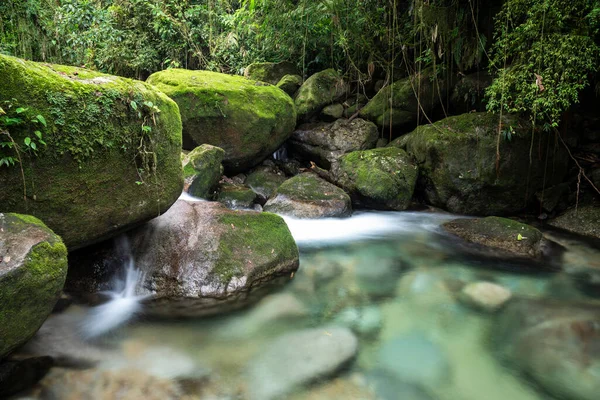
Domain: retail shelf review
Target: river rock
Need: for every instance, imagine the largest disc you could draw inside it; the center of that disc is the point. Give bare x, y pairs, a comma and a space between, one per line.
33, 267
319, 90
264, 181
290, 84
270, 72
236, 197
112, 153
18, 375
555, 342
202, 170
469, 93
404, 103
332, 112
583, 220
324, 143
247, 119
485, 296
199, 258
457, 163
507, 237
382, 178
365, 321
299, 358
308, 196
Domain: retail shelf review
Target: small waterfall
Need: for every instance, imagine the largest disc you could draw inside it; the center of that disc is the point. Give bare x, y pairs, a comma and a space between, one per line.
124, 302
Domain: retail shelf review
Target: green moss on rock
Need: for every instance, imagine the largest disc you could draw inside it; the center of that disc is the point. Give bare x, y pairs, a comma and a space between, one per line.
202, 169
457, 163
236, 196
290, 84
270, 72
83, 182
319, 90
382, 178
33, 267
246, 119
264, 182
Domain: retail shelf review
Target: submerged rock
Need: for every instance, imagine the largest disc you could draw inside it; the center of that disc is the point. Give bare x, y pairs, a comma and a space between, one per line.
246, 119
202, 170
556, 343
324, 143
308, 196
485, 296
18, 375
33, 267
299, 358
198, 259
583, 220
510, 238
236, 197
382, 178
405, 105
319, 90
457, 163
112, 153
270, 72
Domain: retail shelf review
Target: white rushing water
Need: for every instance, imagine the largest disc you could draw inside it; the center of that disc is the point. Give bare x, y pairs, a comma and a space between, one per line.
124, 302
360, 226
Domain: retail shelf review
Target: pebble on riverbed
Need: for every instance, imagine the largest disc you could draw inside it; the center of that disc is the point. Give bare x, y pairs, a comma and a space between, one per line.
485, 296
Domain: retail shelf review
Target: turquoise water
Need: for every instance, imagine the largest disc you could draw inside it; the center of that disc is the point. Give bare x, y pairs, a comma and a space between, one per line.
391, 279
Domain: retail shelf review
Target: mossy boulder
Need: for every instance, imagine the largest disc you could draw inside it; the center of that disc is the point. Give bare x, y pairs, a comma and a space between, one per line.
236, 197
270, 72
403, 93
199, 258
308, 196
319, 90
112, 153
202, 170
506, 236
324, 143
33, 267
469, 93
290, 84
457, 163
583, 220
332, 112
247, 119
382, 178
264, 181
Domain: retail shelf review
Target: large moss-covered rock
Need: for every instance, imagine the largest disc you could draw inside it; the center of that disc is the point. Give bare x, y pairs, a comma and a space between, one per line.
319, 90
199, 258
112, 153
270, 72
404, 102
247, 119
290, 84
202, 170
457, 162
555, 342
324, 143
33, 267
308, 196
583, 220
382, 178
509, 237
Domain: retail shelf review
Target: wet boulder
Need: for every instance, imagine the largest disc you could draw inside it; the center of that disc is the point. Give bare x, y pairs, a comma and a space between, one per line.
264, 181
308, 196
33, 267
247, 119
502, 236
405, 106
583, 220
235, 196
111, 158
557, 343
199, 258
484, 296
270, 72
382, 178
290, 84
459, 169
324, 143
202, 170
319, 90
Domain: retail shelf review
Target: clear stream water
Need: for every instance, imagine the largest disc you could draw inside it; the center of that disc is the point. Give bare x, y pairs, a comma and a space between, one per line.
391, 277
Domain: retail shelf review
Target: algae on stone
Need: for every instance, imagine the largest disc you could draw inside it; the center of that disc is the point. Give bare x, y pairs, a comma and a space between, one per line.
382, 178
202, 170
270, 72
247, 119
33, 267
112, 158
290, 84
236, 197
319, 90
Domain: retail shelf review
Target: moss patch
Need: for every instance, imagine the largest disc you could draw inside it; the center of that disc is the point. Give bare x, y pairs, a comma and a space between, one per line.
270, 72
202, 168
319, 90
